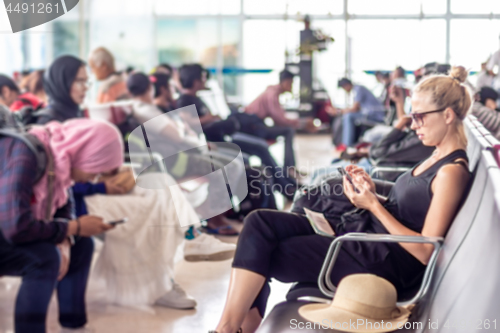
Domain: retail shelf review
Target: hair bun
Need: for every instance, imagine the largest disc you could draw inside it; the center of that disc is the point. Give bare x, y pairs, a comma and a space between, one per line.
459, 73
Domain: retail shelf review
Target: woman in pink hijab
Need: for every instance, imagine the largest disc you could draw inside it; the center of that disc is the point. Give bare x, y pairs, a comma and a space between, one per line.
39, 238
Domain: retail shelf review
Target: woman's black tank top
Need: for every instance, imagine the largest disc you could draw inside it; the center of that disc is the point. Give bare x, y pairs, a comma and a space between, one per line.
411, 196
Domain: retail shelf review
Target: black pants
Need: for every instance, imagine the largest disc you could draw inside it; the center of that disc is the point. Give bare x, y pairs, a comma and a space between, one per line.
284, 246
262, 151
215, 131
253, 125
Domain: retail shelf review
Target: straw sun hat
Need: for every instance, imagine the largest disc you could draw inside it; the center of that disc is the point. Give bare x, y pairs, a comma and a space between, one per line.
362, 303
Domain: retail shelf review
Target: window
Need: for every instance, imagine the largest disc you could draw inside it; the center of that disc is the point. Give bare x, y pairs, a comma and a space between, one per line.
262, 7
315, 7
385, 44
396, 7
264, 45
475, 7
473, 41
384, 7
13, 60
181, 41
329, 65
65, 38
197, 7
293, 7
131, 43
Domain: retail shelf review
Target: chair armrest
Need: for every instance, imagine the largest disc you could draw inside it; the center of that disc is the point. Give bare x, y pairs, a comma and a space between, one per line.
366, 122
393, 169
325, 284
383, 187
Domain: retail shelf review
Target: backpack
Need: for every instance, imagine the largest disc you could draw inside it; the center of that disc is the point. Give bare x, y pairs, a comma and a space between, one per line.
10, 127
29, 115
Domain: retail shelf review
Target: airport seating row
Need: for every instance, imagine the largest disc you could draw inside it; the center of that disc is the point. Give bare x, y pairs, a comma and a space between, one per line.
461, 295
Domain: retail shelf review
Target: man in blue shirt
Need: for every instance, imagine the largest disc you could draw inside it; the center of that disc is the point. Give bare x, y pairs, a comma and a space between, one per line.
366, 107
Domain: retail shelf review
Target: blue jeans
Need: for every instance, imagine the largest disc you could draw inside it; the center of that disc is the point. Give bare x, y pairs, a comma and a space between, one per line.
38, 265
349, 125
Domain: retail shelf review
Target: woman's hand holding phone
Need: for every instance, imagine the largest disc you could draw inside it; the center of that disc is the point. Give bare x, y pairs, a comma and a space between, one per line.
89, 225
125, 219
360, 177
361, 196
347, 177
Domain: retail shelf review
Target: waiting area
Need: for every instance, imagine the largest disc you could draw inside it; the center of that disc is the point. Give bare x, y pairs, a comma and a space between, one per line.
250, 166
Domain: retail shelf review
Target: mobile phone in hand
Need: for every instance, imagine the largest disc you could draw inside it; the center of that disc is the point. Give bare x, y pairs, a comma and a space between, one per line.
118, 221
349, 178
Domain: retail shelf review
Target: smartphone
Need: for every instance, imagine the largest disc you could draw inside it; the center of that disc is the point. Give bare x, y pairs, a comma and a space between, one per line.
349, 178
125, 219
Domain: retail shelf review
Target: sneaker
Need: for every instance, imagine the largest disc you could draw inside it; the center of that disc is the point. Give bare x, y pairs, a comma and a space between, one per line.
208, 248
177, 299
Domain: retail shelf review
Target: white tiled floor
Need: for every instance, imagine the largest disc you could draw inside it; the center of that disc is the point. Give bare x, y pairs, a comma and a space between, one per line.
207, 282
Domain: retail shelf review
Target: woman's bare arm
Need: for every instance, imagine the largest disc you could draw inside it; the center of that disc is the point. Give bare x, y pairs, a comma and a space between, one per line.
448, 187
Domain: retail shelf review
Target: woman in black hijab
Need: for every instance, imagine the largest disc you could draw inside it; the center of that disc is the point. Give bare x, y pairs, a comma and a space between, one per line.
65, 83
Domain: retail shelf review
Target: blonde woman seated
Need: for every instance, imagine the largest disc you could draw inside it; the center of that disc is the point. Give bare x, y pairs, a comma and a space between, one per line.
423, 202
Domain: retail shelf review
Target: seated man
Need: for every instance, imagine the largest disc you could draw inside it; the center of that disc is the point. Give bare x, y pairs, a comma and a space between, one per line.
266, 105
485, 109
366, 107
193, 78
113, 87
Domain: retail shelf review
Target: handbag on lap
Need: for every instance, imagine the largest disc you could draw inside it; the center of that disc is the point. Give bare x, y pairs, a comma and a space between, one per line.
327, 198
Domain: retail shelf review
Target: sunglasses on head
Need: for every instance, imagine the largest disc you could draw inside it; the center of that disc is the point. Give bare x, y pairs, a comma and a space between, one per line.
418, 117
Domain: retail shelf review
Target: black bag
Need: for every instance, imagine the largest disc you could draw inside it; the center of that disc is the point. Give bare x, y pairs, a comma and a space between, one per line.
30, 116
327, 198
260, 195
26, 115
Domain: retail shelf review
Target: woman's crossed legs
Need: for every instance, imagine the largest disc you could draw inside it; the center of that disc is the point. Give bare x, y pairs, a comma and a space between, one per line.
277, 245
